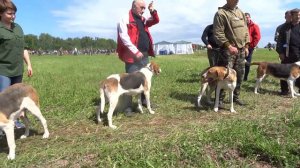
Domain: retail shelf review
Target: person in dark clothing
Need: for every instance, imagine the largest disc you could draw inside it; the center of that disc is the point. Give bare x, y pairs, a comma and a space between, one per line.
289, 44
212, 47
287, 16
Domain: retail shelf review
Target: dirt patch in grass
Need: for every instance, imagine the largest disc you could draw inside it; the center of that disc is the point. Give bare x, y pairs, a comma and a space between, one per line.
58, 163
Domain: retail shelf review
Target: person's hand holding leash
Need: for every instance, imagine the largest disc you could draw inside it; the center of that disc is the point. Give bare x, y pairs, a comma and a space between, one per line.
246, 52
209, 46
233, 50
281, 57
139, 56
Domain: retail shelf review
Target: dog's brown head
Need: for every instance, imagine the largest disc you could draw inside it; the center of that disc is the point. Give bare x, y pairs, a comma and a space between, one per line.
295, 70
154, 68
215, 73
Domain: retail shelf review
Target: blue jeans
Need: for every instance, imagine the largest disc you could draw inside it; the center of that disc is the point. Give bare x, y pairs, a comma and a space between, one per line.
132, 67
5, 81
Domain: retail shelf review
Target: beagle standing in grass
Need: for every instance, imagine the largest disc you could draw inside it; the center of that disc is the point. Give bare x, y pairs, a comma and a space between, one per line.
127, 83
14, 102
288, 72
218, 78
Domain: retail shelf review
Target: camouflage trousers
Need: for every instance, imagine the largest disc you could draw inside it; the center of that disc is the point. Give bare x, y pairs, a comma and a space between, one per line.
236, 62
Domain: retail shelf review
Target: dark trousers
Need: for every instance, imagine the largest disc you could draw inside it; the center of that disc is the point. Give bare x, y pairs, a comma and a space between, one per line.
247, 67
283, 84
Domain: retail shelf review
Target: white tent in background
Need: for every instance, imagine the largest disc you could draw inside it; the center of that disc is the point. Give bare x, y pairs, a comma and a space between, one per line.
164, 48
183, 47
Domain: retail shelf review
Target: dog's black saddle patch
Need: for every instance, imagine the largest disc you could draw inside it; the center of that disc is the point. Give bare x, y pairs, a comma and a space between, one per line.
11, 102
132, 80
280, 70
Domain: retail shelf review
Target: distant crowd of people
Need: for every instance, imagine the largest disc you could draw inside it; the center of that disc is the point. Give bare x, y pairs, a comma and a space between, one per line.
75, 51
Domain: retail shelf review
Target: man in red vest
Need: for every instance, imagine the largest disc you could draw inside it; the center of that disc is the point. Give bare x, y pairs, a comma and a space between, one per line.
254, 34
135, 42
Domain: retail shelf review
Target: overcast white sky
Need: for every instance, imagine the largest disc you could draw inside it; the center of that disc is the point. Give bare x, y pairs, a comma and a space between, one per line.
179, 19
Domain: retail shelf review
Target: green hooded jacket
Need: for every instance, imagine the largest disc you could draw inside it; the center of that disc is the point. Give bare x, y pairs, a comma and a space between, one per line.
11, 50
230, 27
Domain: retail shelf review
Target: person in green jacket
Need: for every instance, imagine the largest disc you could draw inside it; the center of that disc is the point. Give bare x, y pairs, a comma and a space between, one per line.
231, 34
12, 48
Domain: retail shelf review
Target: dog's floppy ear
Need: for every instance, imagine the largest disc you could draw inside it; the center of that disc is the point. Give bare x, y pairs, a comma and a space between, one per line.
155, 68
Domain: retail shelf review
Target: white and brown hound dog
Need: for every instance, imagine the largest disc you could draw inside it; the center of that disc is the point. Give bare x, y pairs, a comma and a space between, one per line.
217, 78
288, 72
127, 83
14, 102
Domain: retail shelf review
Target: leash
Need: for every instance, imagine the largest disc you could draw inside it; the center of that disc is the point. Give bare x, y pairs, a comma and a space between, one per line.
148, 67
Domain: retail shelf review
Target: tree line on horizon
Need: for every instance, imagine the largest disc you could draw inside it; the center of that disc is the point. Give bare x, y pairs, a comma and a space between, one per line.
47, 42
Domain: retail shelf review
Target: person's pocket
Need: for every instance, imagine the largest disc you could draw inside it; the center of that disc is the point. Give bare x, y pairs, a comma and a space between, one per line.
237, 22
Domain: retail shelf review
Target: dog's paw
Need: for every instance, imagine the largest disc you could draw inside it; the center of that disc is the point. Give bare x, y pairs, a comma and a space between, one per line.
11, 156
23, 137
46, 135
216, 109
113, 126
152, 112
233, 111
140, 110
199, 106
197, 103
297, 94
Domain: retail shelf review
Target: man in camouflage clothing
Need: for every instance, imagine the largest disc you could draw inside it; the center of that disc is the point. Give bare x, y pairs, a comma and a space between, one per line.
231, 33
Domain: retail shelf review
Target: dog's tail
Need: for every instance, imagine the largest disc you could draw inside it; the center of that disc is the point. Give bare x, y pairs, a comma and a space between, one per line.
101, 103
102, 96
203, 71
255, 63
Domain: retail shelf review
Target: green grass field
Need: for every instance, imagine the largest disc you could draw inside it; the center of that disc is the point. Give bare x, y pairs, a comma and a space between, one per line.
264, 134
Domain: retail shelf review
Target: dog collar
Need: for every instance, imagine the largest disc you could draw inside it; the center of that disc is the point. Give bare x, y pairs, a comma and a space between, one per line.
227, 72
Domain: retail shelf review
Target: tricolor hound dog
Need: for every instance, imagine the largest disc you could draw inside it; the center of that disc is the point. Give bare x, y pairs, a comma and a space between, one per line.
288, 72
127, 83
14, 102
218, 78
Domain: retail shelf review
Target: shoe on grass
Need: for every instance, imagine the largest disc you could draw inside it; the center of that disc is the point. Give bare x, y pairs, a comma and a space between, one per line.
19, 125
239, 102
128, 112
